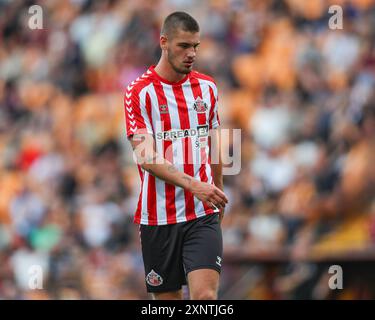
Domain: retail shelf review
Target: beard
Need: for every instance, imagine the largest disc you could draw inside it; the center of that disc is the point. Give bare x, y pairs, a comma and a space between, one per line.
179, 69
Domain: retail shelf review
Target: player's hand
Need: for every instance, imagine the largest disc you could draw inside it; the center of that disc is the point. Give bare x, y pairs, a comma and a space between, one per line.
209, 194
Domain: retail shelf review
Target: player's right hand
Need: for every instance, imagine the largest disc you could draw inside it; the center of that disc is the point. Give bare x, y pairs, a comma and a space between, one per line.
209, 193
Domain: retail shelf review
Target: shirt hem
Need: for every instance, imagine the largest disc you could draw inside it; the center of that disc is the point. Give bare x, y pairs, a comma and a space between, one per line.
165, 222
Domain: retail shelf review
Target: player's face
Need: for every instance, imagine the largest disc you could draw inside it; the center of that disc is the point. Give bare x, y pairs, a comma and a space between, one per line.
182, 49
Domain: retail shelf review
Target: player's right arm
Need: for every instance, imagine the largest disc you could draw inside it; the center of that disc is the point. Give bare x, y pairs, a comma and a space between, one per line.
144, 148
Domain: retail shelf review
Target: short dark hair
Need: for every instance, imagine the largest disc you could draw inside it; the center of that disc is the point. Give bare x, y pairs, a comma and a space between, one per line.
179, 20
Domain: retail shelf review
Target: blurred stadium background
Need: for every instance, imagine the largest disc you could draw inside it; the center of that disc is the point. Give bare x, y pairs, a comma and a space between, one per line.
302, 94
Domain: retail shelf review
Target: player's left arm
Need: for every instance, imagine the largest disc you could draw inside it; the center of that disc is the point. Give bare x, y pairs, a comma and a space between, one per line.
216, 163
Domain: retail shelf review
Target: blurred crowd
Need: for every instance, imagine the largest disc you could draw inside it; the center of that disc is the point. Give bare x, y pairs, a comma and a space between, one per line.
301, 93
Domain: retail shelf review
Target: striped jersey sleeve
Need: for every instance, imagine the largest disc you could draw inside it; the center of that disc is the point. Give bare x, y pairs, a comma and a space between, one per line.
136, 117
214, 120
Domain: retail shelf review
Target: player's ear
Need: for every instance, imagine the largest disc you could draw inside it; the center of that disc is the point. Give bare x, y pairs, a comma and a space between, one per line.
163, 42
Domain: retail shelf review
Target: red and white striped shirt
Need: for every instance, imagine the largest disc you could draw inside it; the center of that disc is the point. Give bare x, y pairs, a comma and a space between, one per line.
179, 115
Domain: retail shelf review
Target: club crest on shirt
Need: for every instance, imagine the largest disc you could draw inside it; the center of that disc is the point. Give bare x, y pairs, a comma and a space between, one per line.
200, 106
154, 279
163, 109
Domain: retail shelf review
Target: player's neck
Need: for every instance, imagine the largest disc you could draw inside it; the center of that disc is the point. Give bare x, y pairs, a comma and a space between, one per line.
165, 71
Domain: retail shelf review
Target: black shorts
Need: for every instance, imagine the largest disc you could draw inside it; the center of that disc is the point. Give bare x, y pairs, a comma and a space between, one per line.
170, 252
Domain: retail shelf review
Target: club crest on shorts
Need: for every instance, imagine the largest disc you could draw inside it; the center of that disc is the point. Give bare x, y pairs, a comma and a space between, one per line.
154, 279
200, 106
